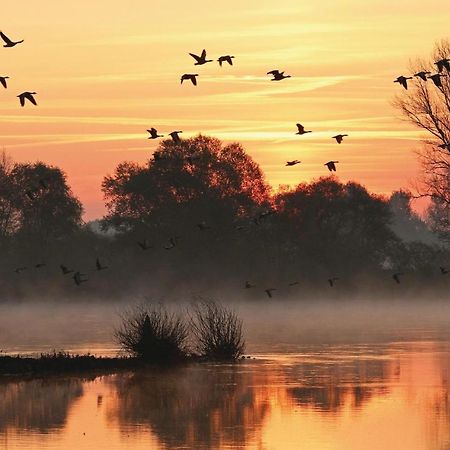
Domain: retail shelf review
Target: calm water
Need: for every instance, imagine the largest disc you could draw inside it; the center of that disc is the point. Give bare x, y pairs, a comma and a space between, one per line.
354, 396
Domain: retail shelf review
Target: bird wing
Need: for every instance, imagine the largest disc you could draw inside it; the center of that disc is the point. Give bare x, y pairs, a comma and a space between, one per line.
273, 72
196, 57
194, 80
22, 100
230, 61
31, 98
203, 56
220, 61
300, 127
5, 38
3, 82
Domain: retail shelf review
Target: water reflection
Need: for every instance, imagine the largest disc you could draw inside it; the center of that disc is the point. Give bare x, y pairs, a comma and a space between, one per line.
381, 396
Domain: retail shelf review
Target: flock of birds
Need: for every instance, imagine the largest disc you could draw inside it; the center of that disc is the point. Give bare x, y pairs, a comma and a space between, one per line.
277, 75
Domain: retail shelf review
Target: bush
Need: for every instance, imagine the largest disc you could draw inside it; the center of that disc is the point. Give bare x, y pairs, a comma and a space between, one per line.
153, 334
217, 332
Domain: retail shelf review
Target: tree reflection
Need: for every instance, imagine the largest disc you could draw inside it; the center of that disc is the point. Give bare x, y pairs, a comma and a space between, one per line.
39, 405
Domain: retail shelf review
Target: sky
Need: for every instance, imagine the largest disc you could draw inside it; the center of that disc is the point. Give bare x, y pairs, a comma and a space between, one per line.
105, 71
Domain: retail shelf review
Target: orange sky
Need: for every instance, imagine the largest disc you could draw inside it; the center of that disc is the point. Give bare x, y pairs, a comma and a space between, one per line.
106, 70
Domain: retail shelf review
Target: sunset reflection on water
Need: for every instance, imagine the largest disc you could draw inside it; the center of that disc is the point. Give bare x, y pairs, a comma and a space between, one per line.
380, 396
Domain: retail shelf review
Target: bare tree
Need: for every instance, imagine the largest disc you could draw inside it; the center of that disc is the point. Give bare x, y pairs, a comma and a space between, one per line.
428, 107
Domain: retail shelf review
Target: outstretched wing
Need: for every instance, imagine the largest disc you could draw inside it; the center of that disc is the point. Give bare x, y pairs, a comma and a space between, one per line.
31, 99
300, 127
203, 56
230, 61
22, 100
273, 72
194, 80
5, 38
196, 57
3, 82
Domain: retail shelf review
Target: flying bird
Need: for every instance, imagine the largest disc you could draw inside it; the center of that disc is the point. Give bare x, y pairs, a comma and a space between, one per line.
422, 75
39, 265
248, 285
99, 266
175, 137
154, 134
78, 278
20, 269
269, 291
200, 60
333, 280
3, 82
396, 277
444, 271
403, 81
436, 78
65, 270
172, 243
277, 75
293, 163
443, 63
27, 96
8, 41
227, 58
301, 129
144, 245
339, 137
191, 77
331, 165
294, 283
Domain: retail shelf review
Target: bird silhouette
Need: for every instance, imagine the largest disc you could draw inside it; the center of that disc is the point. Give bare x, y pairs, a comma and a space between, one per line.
301, 129
436, 78
294, 283
200, 60
333, 280
144, 245
293, 163
277, 75
78, 278
39, 265
443, 64
226, 58
65, 270
154, 134
339, 137
27, 96
3, 82
269, 291
444, 271
172, 243
248, 285
175, 137
396, 277
422, 75
191, 77
331, 165
403, 81
8, 41
99, 266
20, 269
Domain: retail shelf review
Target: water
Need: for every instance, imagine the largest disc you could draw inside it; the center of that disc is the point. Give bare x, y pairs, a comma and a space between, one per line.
368, 396
319, 379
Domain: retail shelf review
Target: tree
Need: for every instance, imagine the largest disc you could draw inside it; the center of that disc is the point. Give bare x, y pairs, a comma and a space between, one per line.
9, 199
198, 179
427, 106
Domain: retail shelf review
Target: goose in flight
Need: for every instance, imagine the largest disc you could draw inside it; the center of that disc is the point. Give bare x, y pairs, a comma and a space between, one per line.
175, 137
269, 291
200, 60
144, 245
331, 165
436, 78
293, 163
333, 280
3, 82
172, 243
65, 270
20, 269
301, 129
294, 283
277, 75
403, 81
443, 63
154, 134
78, 278
39, 265
339, 137
444, 271
227, 58
248, 285
422, 75
99, 266
27, 96
191, 77
8, 41
396, 277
